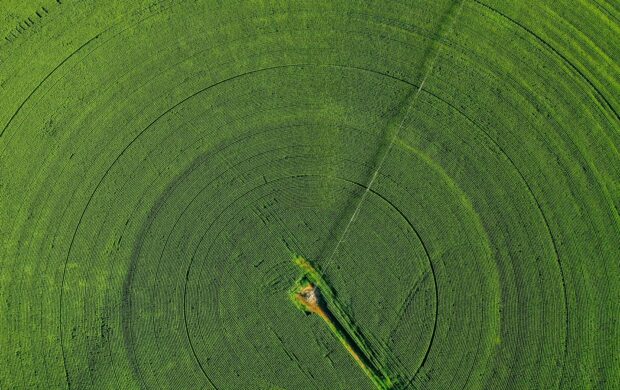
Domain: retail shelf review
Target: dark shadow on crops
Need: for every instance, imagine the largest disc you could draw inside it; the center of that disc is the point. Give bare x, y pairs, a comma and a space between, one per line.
404, 380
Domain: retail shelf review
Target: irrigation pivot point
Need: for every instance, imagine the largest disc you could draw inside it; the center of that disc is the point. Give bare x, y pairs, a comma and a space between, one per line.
308, 296
312, 294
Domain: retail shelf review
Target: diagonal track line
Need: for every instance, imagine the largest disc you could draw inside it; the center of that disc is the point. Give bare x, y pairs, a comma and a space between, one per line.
393, 139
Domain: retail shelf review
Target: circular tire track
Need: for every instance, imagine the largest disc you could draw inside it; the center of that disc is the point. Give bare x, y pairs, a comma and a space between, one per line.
157, 179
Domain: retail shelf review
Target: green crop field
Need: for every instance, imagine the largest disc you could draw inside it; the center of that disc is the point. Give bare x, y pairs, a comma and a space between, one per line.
309, 194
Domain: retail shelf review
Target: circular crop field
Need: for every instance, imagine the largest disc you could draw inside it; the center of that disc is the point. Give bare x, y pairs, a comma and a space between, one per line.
339, 194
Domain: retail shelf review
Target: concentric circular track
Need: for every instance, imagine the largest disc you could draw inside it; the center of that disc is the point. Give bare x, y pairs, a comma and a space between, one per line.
451, 168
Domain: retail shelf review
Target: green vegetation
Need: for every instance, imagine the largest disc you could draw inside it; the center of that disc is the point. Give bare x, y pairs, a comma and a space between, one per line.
312, 294
449, 169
